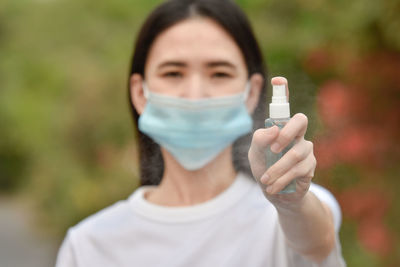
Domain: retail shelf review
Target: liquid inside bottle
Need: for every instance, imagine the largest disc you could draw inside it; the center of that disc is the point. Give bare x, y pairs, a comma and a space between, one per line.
272, 157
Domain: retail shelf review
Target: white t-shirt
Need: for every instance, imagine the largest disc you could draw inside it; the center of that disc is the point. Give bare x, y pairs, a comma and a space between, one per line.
239, 227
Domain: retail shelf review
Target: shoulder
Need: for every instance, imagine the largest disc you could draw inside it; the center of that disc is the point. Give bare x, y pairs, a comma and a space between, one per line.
112, 215
104, 224
86, 241
96, 231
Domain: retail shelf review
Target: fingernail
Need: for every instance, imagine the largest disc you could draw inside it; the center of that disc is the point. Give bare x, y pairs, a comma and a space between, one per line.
275, 147
264, 179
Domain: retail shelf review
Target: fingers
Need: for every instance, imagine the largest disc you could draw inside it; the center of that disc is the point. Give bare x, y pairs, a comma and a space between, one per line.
299, 162
295, 128
304, 170
261, 139
299, 152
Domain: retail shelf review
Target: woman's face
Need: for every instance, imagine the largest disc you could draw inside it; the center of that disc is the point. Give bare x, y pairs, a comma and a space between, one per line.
195, 58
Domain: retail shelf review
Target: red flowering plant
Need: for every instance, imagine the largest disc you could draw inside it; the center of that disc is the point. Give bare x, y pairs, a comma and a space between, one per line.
358, 103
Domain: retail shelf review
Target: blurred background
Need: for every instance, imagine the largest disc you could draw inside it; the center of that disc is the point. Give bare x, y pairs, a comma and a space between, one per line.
67, 145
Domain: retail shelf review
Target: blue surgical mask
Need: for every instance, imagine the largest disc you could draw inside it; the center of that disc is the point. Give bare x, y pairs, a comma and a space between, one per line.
195, 131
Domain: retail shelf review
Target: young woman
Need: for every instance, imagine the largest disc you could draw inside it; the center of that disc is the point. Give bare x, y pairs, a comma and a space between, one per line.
197, 91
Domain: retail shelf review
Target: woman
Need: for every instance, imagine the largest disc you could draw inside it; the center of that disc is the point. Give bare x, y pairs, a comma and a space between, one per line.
197, 77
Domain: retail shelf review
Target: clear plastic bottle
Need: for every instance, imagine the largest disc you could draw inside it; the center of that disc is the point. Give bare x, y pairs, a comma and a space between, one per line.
279, 115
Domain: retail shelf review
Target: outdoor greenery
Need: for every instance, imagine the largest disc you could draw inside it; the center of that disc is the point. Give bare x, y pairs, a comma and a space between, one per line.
67, 143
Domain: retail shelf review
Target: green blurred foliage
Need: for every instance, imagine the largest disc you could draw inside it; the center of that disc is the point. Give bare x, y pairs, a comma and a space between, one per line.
66, 137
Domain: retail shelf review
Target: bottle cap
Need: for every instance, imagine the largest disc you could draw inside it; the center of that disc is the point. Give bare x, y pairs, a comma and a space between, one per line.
279, 107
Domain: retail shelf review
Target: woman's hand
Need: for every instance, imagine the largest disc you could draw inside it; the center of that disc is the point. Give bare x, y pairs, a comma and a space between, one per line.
298, 163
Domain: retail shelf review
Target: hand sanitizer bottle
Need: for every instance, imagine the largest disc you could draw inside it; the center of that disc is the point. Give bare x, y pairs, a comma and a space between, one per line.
279, 115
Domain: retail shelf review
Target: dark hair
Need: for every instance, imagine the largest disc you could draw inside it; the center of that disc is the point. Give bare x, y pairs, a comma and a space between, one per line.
235, 22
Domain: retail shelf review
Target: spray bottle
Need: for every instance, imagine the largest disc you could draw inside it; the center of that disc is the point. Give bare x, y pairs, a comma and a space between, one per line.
279, 115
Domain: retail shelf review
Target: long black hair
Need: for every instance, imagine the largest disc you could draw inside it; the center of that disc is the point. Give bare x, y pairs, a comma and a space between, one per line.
235, 22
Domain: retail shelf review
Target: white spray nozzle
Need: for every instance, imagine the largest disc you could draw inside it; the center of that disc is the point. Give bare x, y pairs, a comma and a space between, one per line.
279, 107
279, 94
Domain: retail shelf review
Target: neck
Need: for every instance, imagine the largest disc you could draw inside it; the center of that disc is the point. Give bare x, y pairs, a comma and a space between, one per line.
180, 187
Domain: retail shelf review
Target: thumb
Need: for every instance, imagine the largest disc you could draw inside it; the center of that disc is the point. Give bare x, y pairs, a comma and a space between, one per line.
264, 137
261, 139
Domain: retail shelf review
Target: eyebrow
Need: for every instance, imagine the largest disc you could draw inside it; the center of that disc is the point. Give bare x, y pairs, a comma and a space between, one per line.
212, 64
172, 64
221, 63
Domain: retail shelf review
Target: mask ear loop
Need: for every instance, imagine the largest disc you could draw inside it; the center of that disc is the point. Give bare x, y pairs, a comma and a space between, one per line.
146, 92
247, 91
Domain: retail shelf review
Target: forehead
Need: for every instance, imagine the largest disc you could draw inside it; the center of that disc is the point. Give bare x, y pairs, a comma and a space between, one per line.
195, 40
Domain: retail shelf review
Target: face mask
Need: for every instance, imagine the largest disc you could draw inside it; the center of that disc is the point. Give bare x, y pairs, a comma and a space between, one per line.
195, 131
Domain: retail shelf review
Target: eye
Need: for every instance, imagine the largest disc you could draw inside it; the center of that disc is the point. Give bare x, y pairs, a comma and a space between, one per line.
221, 75
173, 74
